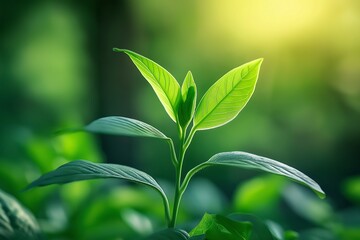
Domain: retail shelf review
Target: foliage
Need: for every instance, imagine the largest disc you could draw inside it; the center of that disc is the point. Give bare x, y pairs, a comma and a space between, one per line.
220, 104
16, 222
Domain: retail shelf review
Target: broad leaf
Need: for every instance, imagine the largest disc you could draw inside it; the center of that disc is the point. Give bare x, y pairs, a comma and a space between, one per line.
82, 170
16, 222
219, 227
164, 84
227, 97
124, 126
169, 234
260, 229
188, 100
251, 161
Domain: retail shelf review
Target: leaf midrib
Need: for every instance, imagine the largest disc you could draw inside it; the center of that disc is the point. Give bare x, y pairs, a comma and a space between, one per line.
224, 98
156, 82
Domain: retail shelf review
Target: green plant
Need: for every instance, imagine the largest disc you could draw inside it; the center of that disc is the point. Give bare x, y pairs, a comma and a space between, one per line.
221, 103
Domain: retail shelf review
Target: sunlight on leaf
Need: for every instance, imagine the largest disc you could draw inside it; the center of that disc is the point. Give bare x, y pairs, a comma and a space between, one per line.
188, 100
227, 97
164, 84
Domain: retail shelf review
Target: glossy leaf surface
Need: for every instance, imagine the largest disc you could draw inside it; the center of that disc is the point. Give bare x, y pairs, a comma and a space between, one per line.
164, 84
227, 97
82, 170
251, 161
124, 126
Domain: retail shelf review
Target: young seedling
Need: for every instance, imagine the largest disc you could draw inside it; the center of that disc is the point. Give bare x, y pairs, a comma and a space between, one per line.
221, 103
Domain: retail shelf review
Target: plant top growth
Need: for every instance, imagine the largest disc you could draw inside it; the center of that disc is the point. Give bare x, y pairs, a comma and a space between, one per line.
222, 102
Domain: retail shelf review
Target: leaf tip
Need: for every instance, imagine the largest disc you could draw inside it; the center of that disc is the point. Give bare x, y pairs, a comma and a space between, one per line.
117, 50
321, 194
122, 50
259, 61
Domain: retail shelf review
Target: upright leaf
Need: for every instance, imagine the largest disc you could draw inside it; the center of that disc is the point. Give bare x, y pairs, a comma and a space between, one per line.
164, 84
251, 161
188, 100
82, 170
227, 97
124, 126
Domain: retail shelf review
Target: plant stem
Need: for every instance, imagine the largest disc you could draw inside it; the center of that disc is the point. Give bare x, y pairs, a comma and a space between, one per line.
178, 191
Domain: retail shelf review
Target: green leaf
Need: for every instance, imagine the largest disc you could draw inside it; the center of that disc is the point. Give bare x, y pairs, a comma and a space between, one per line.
82, 170
164, 84
169, 234
188, 100
124, 126
251, 161
227, 97
16, 222
308, 206
279, 233
219, 227
246, 197
260, 230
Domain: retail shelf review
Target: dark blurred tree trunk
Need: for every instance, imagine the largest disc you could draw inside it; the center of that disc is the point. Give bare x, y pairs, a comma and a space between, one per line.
112, 81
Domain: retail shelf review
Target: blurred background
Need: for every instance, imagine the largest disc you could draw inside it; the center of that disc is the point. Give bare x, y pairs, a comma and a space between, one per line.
57, 70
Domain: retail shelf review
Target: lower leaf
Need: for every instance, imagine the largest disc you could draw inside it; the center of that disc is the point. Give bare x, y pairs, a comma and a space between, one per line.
83, 170
252, 161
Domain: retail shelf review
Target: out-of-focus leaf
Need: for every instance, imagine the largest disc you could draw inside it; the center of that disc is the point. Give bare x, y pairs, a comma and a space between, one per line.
196, 199
219, 227
137, 221
279, 233
227, 97
16, 222
291, 235
319, 234
169, 234
164, 84
276, 230
307, 205
251, 161
351, 189
247, 195
349, 221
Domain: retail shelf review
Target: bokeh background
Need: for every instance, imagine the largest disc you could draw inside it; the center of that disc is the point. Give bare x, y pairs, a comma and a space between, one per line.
57, 70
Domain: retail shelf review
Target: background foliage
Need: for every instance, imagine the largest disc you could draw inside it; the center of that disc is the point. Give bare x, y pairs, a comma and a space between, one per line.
57, 70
